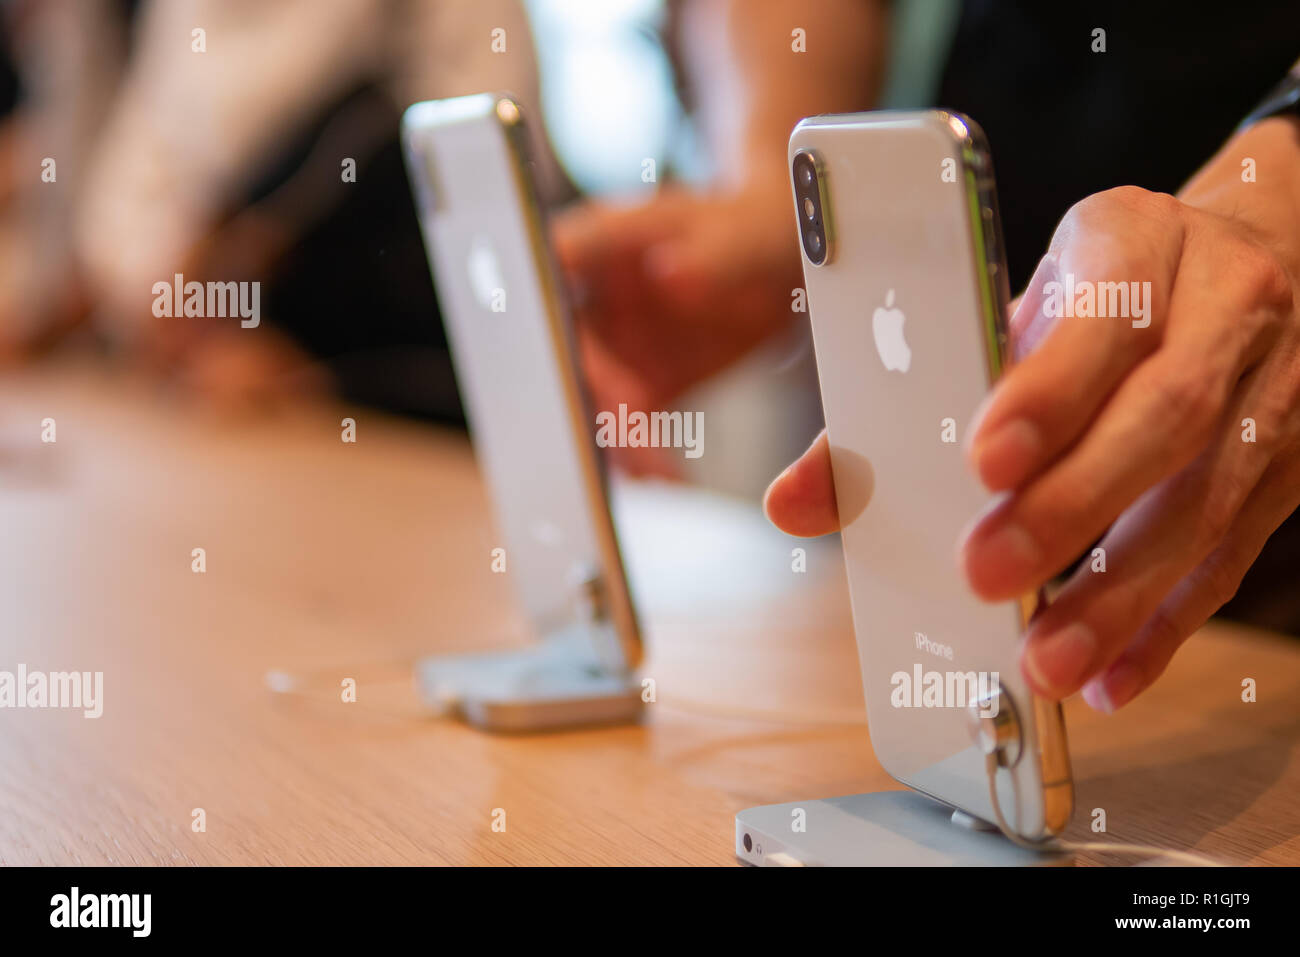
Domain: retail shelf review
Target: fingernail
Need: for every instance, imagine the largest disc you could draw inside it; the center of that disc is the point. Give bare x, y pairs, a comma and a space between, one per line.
1057, 664
1030, 323
977, 420
1004, 458
1094, 692
1005, 557
1114, 689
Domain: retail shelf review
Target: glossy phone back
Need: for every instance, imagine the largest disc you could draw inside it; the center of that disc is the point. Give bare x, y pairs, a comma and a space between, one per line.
516, 365
906, 319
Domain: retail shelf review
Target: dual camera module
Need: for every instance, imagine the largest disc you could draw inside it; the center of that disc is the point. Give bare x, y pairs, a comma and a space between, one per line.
808, 199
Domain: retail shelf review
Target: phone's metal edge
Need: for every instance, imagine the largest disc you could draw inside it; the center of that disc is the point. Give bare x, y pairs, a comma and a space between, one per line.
1049, 720
505, 110
617, 594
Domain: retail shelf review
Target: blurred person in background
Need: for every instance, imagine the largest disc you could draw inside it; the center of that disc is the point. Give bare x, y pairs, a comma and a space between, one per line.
1090, 437
221, 157
225, 164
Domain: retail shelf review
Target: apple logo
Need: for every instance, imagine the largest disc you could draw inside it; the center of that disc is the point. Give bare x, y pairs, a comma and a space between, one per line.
485, 274
887, 327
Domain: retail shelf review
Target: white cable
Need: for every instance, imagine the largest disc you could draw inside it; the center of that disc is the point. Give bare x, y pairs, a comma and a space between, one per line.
1071, 847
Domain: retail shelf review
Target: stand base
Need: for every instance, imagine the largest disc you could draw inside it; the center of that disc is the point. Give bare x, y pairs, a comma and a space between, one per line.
880, 829
560, 682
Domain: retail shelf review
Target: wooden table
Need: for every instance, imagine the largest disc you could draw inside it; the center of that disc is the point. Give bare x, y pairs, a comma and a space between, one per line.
329, 560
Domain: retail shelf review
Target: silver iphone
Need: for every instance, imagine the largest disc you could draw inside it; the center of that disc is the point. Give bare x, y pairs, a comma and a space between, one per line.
513, 351
907, 295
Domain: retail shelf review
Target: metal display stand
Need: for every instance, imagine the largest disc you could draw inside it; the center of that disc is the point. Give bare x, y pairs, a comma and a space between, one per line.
883, 828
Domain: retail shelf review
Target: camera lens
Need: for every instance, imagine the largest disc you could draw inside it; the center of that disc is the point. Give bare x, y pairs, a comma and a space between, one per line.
808, 207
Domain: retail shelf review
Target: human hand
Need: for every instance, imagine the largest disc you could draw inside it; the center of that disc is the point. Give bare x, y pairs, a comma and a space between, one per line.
670, 291
1174, 437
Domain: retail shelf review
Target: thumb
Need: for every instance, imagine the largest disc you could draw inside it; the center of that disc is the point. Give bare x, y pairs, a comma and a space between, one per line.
801, 500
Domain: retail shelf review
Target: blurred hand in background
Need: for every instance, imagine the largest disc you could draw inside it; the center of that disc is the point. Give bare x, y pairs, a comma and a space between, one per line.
671, 291
675, 288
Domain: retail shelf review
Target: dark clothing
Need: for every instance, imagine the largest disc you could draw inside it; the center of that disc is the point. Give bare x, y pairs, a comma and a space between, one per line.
1064, 122
355, 290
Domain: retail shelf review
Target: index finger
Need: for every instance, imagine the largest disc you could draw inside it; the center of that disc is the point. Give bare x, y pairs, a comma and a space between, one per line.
1106, 245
